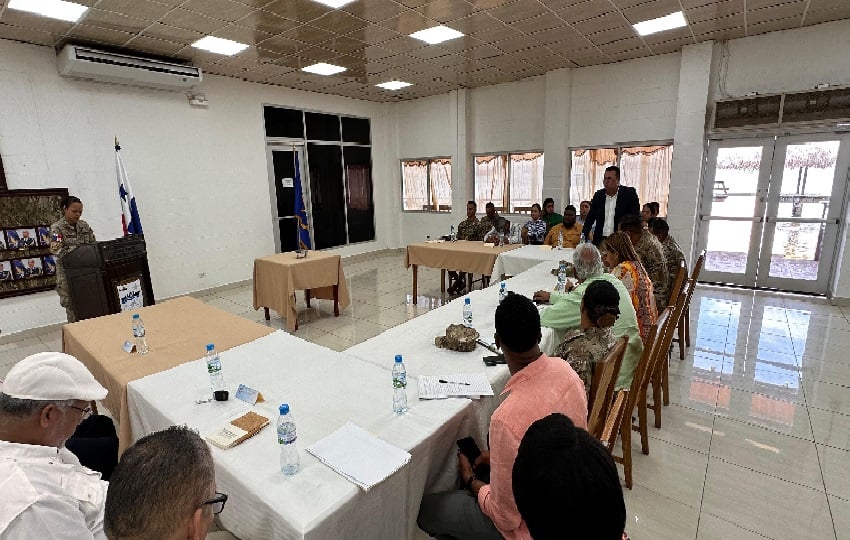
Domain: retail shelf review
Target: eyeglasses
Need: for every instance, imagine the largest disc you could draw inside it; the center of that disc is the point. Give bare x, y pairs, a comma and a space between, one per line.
86, 412
216, 502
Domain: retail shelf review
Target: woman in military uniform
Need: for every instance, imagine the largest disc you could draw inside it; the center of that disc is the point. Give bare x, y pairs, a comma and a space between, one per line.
65, 235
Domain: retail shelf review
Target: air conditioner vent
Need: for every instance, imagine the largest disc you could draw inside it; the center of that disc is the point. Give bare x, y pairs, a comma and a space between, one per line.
817, 106
759, 111
87, 63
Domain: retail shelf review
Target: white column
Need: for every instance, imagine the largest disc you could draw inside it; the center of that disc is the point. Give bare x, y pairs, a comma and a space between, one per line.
555, 136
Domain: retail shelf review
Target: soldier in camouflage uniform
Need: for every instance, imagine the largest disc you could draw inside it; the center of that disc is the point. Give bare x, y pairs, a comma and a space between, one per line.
651, 255
468, 229
582, 347
672, 252
65, 235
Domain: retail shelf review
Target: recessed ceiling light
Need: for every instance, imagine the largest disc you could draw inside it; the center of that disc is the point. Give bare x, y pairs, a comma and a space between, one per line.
436, 34
394, 85
55, 9
667, 22
324, 69
336, 4
219, 45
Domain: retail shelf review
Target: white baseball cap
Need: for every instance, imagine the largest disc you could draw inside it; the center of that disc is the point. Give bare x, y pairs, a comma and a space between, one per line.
52, 376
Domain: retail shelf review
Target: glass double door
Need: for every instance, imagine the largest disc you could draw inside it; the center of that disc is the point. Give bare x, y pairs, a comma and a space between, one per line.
771, 211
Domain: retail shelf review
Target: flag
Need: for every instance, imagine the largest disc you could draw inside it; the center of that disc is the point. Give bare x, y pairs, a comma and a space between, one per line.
129, 212
300, 210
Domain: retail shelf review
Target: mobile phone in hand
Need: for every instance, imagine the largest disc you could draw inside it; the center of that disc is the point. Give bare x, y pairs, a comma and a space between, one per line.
469, 448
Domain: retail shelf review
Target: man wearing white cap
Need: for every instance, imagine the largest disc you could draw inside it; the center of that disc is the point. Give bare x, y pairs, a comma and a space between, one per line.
44, 491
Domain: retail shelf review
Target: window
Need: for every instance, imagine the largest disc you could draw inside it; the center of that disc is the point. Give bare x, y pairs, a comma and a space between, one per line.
426, 184
645, 168
512, 181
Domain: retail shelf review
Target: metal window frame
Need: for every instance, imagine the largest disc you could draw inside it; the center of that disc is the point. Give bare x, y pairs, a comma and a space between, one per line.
427, 183
508, 155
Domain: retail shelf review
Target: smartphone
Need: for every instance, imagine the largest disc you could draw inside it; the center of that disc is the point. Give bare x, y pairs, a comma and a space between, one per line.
469, 448
494, 360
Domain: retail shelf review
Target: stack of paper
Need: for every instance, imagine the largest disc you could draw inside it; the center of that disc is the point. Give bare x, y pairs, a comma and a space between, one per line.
359, 456
468, 385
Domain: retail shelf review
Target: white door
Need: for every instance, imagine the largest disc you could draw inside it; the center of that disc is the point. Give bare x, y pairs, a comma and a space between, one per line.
771, 211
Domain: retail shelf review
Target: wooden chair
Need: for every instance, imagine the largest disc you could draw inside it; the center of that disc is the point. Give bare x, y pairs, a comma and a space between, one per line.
684, 322
659, 365
619, 419
663, 325
602, 386
679, 284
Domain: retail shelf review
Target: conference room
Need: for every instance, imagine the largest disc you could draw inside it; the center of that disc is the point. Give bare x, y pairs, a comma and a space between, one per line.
300, 200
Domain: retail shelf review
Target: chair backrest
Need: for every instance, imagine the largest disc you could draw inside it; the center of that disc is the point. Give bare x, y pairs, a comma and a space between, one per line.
698, 266
679, 284
614, 420
665, 326
602, 386
692, 282
643, 364
665, 337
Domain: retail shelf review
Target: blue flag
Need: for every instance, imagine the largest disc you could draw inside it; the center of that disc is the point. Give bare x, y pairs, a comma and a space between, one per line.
300, 210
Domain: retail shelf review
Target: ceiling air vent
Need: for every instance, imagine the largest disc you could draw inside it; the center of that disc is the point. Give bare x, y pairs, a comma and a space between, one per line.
87, 63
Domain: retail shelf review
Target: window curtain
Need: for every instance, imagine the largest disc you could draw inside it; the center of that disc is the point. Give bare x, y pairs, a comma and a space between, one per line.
647, 169
491, 176
588, 167
441, 184
526, 179
414, 175
359, 186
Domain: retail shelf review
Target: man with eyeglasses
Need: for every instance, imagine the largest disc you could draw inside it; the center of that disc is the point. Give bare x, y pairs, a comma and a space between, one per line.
45, 492
164, 488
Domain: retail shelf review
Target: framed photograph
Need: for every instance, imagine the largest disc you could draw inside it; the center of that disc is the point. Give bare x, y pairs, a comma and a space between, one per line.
18, 269
33, 268
43, 233
49, 265
2, 241
12, 239
5, 271
27, 238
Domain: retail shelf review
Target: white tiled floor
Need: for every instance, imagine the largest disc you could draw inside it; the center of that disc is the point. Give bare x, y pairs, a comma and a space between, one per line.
755, 443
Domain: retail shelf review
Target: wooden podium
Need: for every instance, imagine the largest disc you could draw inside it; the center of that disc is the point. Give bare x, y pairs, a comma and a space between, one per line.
109, 277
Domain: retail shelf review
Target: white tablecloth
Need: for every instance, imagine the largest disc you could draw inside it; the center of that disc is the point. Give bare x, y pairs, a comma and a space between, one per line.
325, 389
414, 340
514, 262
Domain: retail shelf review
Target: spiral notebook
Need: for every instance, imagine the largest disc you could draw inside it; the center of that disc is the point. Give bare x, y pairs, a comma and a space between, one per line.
359, 456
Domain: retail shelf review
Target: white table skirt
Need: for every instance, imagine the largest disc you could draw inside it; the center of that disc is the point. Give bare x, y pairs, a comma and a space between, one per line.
414, 340
516, 261
325, 390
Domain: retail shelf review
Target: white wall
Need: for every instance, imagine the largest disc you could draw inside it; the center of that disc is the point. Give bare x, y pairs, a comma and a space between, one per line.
200, 176
509, 116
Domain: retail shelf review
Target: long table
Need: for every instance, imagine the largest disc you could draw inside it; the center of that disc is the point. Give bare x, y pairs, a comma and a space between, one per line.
462, 255
325, 389
414, 340
511, 263
277, 277
177, 331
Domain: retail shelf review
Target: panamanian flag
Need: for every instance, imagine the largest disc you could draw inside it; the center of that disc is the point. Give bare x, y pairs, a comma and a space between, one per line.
130, 220
300, 210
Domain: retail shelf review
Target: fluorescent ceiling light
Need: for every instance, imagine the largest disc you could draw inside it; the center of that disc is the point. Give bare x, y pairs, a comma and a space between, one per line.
436, 34
55, 9
667, 22
324, 69
336, 4
394, 85
219, 45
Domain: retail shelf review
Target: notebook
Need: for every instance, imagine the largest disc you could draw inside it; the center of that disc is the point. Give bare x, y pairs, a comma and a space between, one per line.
468, 385
238, 430
359, 456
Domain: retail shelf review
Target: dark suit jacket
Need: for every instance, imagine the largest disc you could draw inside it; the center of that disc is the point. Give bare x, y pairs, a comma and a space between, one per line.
627, 203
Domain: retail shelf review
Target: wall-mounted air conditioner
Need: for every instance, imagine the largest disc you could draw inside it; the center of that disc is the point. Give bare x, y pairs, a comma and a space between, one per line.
87, 63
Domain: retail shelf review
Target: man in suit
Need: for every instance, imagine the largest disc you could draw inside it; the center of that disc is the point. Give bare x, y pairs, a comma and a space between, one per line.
609, 205
5, 273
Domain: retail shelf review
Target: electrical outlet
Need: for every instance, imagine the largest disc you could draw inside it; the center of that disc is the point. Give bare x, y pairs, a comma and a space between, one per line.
202, 274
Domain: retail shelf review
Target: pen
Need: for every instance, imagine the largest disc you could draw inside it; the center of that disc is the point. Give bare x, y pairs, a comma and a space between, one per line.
443, 381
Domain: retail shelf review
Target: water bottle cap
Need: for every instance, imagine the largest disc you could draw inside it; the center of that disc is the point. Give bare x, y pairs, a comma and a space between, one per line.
284, 408
503, 284
135, 315
466, 301
398, 359
210, 347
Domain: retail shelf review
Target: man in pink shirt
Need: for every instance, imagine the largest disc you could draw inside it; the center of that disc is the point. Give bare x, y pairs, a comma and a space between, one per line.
539, 386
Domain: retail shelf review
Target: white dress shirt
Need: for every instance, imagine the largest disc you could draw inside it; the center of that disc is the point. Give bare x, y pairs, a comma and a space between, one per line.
610, 207
45, 493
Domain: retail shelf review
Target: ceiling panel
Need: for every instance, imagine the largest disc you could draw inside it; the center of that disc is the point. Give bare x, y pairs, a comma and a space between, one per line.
505, 39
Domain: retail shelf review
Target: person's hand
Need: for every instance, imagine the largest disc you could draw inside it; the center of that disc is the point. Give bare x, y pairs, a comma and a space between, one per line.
483, 459
464, 467
541, 297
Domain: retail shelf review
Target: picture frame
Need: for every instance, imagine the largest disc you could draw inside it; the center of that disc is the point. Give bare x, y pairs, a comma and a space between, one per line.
49, 265
5, 271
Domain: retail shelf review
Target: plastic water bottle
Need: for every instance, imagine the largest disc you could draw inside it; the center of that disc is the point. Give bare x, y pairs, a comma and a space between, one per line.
399, 386
139, 334
286, 437
560, 239
582, 240
214, 369
467, 313
503, 292
452, 234
562, 277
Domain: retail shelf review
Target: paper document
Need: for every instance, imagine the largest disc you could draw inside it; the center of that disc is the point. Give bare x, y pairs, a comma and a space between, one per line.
454, 385
359, 456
